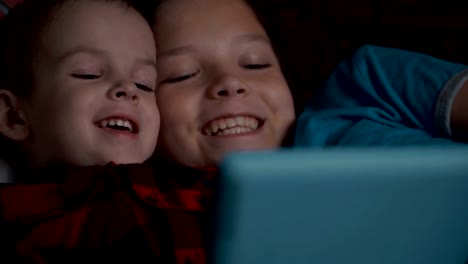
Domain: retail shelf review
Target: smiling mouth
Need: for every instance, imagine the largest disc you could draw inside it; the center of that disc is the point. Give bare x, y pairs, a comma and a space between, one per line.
232, 126
118, 124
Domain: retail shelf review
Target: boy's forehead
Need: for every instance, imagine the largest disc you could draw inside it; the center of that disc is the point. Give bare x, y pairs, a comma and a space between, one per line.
205, 15
87, 16
216, 8
214, 23
94, 26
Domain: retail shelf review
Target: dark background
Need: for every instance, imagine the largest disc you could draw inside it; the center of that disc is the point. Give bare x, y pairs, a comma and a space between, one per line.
312, 36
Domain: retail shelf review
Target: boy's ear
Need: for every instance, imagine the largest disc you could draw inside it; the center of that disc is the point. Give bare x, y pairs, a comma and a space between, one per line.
13, 124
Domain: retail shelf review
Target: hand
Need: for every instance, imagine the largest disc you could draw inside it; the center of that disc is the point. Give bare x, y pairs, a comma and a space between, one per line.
459, 115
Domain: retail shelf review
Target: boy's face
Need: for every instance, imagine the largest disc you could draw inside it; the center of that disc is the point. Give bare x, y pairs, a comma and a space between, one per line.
94, 99
220, 86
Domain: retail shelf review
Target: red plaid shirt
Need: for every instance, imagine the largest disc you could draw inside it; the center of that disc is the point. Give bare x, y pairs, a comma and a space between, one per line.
124, 213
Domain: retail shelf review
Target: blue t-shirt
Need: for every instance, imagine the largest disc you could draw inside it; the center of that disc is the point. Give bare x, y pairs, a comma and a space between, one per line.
383, 96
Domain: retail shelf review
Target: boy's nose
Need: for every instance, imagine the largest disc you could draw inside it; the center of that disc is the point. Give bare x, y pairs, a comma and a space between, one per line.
227, 85
124, 91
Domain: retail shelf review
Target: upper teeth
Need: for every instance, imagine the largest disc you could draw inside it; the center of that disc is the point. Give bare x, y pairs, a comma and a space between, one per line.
117, 122
231, 125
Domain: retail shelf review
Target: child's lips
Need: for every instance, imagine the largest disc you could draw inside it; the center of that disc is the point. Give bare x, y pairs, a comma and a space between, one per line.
124, 134
232, 126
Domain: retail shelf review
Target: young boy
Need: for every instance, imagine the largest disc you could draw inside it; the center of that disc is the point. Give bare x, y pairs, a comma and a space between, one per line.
78, 79
220, 89
77, 91
220, 84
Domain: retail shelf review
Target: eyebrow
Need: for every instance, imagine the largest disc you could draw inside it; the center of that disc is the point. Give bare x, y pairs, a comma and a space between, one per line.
147, 62
100, 53
253, 37
78, 50
177, 51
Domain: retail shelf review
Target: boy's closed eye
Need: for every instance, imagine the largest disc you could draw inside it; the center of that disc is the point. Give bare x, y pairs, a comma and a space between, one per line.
144, 87
256, 66
180, 78
94, 76
86, 76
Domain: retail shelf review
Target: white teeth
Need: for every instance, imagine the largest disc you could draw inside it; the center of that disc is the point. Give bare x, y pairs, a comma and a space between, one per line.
117, 122
231, 122
214, 127
251, 122
240, 121
222, 125
129, 125
231, 126
236, 130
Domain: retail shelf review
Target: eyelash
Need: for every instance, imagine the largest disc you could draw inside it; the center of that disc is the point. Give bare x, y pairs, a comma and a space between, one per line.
180, 78
143, 87
93, 77
256, 66
188, 76
86, 76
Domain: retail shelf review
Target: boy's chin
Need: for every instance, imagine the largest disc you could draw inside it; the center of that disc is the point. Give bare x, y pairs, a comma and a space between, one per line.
117, 160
